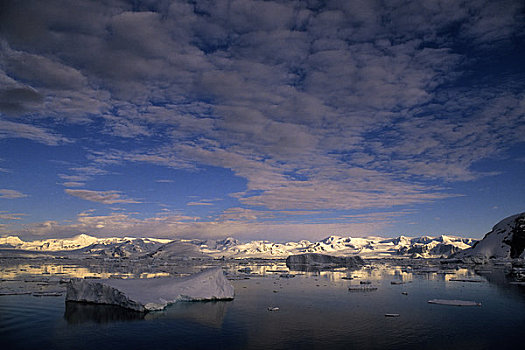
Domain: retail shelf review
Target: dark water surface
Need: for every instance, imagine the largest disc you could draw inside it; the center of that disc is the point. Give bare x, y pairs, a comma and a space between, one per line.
316, 311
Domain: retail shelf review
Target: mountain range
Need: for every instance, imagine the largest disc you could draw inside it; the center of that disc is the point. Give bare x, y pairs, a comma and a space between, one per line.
368, 247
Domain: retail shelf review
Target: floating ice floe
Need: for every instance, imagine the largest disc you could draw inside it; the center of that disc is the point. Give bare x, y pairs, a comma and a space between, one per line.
273, 308
154, 293
362, 288
48, 294
315, 261
392, 315
473, 280
454, 302
517, 283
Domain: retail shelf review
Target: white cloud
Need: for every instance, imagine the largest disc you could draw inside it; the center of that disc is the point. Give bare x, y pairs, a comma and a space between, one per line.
10, 129
171, 225
104, 197
11, 216
340, 106
11, 194
73, 184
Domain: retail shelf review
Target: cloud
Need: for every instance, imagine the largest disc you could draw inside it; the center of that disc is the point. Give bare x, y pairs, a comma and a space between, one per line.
11, 216
104, 197
73, 184
10, 129
331, 106
200, 203
171, 225
11, 194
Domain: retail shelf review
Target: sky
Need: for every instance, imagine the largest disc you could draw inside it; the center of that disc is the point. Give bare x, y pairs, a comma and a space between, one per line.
277, 120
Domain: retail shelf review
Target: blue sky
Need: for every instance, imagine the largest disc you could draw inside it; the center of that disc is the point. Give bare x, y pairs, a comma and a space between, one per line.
279, 120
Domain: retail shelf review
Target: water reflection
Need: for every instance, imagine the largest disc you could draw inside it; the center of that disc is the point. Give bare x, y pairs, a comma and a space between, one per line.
209, 313
79, 313
93, 269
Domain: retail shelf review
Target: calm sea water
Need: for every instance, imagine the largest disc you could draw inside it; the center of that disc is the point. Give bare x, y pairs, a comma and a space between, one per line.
316, 311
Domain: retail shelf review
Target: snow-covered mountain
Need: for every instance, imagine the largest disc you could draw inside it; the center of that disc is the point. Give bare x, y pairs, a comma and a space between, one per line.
87, 244
505, 241
368, 247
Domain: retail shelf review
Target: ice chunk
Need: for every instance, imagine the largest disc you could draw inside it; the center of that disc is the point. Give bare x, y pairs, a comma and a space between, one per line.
454, 302
362, 288
153, 293
306, 262
466, 280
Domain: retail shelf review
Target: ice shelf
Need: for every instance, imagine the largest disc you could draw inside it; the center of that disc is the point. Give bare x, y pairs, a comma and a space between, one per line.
153, 293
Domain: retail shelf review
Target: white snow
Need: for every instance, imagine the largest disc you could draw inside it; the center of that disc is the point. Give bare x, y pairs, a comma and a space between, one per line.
454, 302
496, 243
366, 247
154, 293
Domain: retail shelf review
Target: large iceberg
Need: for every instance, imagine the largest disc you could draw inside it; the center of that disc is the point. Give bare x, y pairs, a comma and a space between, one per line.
306, 262
151, 294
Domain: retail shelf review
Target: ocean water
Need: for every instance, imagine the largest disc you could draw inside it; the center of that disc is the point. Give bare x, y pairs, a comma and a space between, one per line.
316, 311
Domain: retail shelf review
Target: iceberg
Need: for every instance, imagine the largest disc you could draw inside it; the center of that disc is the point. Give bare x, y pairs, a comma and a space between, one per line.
454, 302
151, 294
314, 261
362, 288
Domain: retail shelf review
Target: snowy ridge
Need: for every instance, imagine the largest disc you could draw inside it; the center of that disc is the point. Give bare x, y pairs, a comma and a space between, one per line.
506, 240
368, 247
92, 244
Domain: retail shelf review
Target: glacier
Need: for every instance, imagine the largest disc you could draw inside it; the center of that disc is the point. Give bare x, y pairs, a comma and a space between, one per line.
151, 294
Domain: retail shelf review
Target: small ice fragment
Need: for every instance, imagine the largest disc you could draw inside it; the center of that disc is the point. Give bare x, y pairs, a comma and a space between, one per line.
273, 308
454, 302
466, 280
361, 288
392, 315
48, 294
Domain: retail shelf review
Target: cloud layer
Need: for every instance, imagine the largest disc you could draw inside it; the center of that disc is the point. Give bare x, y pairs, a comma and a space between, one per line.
319, 105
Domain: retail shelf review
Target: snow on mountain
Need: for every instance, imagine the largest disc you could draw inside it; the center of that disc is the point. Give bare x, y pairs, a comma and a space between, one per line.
123, 247
57, 244
179, 249
505, 241
110, 247
367, 247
